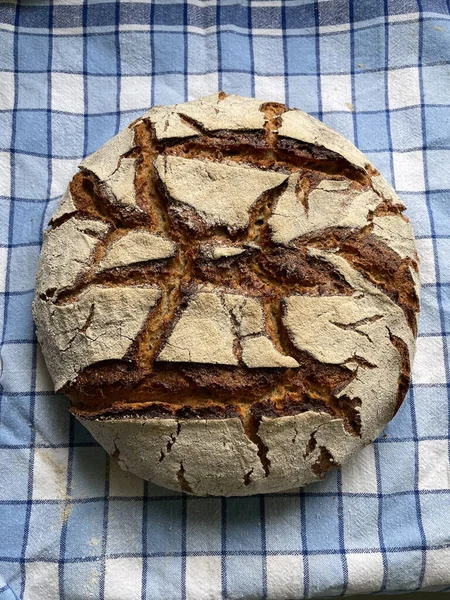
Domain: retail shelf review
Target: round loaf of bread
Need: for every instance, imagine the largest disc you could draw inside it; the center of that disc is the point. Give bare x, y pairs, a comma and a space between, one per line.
228, 293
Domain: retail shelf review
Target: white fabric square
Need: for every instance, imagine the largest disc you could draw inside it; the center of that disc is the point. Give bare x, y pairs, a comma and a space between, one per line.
365, 572
7, 91
427, 264
270, 87
403, 87
408, 171
336, 92
68, 92
434, 470
203, 577
62, 172
123, 483
44, 382
50, 473
358, 473
123, 578
3, 261
437, 568
5, 172
202, 85
135, 93
284, 577
41, 581
428, 364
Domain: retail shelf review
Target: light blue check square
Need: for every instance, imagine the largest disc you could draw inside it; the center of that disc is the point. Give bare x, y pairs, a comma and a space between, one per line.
268, 55
430, 317
7, 53
124, 536
32, 52
399, 521
434, 511
322, 526
28, 222
335, 53
88, 472
135, 52
22, 268
444, 298
301, 55
30, 177
5, 209
101, 54
90, 572
18, 373
403, 570
406, 129
19, 322
397, 466
15, 425
100, 128
383, 162
235, 52
12, 518
164, 526
436, 40
169, 53
67, 53
325, 575
237, 83
51, 419
5, 130
438, 174
244, 524
369, 47
436, 135
33, 90
436, 94
44, 537
14, 467
442, 263
440, 212
403, 44
400, 428
202, 53
302, 93
67, 135
244, 577
362, 513
369, 90
417, 212
432, 411
32, 132
282, 523
204, 524
169, 89
372, 132
101, 94
163, 578
341, 122
84, 529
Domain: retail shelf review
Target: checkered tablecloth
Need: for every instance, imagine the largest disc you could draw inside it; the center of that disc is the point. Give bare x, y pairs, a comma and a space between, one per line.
72, 73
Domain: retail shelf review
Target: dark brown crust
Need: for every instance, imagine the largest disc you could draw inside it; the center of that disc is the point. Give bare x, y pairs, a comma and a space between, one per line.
139, 386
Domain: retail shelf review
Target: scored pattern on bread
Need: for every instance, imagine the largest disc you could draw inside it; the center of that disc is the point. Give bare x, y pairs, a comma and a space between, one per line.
236, 270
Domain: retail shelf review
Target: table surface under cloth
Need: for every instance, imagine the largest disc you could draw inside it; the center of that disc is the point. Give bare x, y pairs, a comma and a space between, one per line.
72, 74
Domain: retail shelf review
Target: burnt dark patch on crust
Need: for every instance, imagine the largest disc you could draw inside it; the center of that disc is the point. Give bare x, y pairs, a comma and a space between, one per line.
324, 463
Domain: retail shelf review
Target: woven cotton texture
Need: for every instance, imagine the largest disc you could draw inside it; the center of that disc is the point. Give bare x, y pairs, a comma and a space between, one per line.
72, 525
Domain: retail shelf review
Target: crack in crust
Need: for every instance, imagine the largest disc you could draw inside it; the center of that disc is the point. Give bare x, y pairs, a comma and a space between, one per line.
137, 385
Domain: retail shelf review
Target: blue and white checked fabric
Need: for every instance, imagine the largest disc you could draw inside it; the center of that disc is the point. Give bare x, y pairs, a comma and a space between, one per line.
72, 73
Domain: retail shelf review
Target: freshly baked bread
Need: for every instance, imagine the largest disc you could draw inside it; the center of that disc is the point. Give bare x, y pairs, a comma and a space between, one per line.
228, 295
